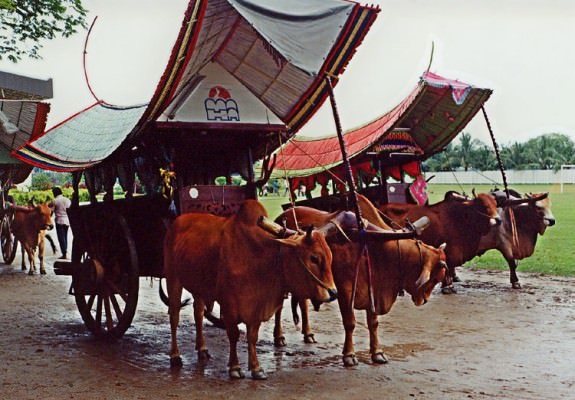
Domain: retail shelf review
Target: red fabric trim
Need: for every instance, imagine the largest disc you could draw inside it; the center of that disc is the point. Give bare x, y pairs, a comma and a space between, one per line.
336, 50
189, 53
40, 121
51, 156
412, 168
173, 58
44, 166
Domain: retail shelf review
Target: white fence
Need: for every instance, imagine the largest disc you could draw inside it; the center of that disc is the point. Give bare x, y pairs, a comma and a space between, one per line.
513, 177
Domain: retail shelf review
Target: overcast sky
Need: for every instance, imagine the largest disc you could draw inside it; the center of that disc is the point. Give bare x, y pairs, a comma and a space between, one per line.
522, 49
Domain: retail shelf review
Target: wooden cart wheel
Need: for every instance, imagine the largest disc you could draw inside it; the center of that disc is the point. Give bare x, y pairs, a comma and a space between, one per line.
106, 276
8, 242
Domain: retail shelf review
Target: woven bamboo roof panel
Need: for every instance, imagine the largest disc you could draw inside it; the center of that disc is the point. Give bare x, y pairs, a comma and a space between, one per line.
433, 114
280, 51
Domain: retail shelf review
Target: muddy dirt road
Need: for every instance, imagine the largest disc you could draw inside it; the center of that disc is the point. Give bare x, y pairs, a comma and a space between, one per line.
488, 341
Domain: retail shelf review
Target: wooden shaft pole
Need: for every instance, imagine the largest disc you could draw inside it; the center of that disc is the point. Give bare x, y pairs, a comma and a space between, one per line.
353, 199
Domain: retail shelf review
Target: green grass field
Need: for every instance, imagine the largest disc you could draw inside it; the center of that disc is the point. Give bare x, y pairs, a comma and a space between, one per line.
555, 251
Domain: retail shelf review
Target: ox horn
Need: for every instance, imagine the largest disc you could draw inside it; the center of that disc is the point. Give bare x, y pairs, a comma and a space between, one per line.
412, 230
308, 238
528, 199
455, 196
536, 198
419, 225
423, 277
275, 229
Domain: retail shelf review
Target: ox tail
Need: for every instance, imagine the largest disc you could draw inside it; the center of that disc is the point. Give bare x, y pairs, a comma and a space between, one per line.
52, 244
209, 315
294, 305
166, 300
217, 322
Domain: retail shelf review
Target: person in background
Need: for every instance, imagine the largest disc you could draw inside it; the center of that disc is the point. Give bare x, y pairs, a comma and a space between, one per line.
60, 205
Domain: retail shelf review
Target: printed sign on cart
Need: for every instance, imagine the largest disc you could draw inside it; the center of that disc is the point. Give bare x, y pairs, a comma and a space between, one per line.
220, 106
219, 98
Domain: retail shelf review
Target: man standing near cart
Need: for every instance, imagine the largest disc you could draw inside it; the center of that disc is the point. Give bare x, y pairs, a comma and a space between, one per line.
60, 204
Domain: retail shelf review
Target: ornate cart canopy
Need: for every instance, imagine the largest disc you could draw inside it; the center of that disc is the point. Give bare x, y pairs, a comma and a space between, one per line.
22, 118
422, 124
240, 72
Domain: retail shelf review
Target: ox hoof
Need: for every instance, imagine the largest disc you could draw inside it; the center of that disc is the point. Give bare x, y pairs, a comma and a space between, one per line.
516, 285
350, 360
280, 341
259, 375
176, 362
43, 272
30, 272
379, 358
448, 290
236, 373
204, 355
309, 338
456, 278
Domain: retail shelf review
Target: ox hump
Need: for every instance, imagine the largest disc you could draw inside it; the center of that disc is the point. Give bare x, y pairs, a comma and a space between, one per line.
250, 211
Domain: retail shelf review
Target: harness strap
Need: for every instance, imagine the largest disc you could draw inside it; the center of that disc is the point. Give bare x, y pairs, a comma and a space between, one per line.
314, 277
364, 251
514, 234
340, 229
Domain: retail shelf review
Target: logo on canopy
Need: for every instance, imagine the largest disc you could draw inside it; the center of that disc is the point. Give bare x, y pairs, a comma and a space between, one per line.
220, 106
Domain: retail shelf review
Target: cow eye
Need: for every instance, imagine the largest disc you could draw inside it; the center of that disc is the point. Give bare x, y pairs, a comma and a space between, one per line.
314, 259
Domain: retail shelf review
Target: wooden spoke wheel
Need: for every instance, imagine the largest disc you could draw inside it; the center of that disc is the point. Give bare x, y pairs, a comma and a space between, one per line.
106, 275
8, 242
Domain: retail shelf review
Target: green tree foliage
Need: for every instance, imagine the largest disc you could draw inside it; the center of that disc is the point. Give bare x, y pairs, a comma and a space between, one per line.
548, 151
41, 181
465, 149
447, 160
25, 23
515, 156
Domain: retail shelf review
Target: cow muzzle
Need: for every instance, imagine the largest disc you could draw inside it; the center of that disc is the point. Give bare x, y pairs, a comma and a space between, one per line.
495, 221
49, 227
549, 221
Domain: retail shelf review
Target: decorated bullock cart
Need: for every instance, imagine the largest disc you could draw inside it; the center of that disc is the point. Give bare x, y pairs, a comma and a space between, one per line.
242, 78
22, 118
385, 154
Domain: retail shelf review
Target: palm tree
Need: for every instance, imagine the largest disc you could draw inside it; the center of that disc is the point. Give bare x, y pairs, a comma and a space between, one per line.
465, 149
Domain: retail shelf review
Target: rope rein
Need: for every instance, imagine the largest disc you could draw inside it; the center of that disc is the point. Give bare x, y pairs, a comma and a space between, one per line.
291, 199
496, 148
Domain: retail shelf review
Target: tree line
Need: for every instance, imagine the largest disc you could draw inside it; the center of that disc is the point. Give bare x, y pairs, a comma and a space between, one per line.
547, 151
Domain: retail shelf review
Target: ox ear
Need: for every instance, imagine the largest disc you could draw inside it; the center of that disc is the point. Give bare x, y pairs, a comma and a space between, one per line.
442, 246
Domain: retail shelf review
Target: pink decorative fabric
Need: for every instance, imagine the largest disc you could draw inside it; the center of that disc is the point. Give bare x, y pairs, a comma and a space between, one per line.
418, 190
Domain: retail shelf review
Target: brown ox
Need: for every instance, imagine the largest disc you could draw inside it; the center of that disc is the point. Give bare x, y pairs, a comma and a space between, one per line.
396, 265
532, 216
245, 269
457, 221
29, 226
